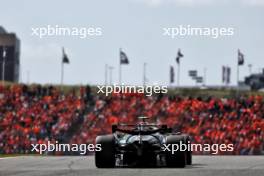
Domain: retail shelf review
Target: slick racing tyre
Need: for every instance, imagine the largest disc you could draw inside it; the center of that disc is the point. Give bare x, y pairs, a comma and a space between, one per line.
188, 152
178, 159
106, 157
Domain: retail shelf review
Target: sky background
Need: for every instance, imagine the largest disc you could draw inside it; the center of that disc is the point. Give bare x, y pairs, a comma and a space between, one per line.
137, 27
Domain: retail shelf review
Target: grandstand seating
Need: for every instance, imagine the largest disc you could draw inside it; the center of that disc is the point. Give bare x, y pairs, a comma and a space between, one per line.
40, 114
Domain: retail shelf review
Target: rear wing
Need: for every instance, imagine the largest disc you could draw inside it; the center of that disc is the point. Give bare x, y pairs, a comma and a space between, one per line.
160, 128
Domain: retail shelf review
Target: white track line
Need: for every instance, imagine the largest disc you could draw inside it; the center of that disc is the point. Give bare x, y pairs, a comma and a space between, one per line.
9, 157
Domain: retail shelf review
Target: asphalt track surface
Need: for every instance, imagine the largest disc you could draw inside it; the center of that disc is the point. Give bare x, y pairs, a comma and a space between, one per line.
84, 166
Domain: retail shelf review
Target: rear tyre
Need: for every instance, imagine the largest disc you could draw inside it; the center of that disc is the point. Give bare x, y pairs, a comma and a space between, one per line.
178, 159
188, 152
106, 157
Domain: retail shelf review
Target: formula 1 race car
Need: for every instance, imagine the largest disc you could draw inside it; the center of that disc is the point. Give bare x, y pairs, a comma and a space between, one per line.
141, 145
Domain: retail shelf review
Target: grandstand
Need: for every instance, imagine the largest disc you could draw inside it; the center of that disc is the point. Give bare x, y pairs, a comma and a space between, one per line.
37, 114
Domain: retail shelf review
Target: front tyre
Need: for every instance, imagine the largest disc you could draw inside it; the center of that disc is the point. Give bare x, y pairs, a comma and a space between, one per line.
106, 157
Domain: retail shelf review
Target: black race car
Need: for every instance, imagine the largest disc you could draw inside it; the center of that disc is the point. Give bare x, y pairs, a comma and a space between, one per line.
141, 145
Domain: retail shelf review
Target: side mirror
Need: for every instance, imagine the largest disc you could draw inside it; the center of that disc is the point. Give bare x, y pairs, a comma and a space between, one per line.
169, 130
164, 127
114, 128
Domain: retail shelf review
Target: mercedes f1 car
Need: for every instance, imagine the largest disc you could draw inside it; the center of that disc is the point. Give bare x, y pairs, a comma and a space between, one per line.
141, 145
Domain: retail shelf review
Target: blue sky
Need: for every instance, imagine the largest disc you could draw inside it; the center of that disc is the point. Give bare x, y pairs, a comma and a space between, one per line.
136, 26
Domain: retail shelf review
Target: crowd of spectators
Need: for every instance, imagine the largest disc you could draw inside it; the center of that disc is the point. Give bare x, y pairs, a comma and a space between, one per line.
40, 114
34, 115
209, 121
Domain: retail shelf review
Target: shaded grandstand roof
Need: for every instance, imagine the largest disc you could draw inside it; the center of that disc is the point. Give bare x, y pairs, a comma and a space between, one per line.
2, 30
